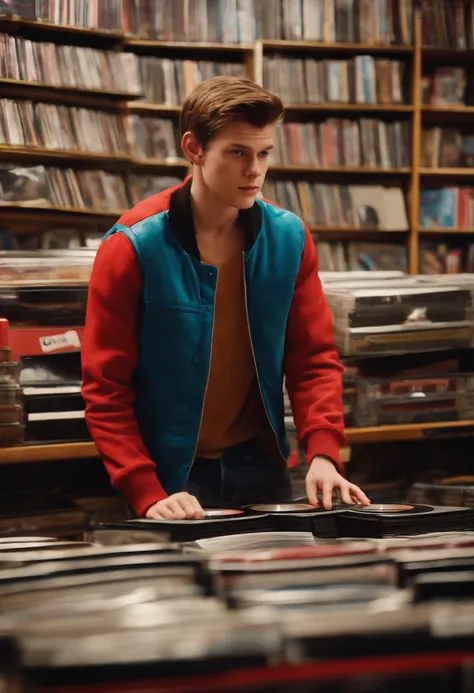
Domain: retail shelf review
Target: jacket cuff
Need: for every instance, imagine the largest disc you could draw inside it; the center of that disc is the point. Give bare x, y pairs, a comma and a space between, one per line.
143, 489
324, 444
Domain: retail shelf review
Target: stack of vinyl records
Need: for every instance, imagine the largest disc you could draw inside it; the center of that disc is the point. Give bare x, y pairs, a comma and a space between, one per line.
450, 562
217, 522
277, 610
290, 517
387, 520
402, 316
404, 631
302, 517
20, 515
12, 427
361, 275
44, 269
336, 575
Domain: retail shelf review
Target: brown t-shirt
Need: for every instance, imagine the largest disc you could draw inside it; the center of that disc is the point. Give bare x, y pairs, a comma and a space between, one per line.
233, 410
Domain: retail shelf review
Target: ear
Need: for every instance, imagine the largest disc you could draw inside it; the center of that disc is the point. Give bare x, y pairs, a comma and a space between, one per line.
192, 150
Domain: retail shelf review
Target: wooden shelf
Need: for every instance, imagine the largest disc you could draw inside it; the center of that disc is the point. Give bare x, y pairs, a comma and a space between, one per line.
157, 109
159, 163
390, 434
355, 436
354, 107
444, 172
446, 231
450, 110
36, 91
22, 454
353, 48
187, 46
58, 156
46, 217
30, 27
151, 108
354, 229
345, 170
450, 55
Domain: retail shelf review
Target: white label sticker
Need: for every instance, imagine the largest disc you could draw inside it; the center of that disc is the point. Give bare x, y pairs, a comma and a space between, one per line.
60, 341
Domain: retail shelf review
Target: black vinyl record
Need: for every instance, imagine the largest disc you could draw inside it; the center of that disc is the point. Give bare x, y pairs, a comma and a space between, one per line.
391, 509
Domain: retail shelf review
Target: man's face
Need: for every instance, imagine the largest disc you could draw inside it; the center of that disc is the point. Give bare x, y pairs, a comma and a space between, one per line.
235, 162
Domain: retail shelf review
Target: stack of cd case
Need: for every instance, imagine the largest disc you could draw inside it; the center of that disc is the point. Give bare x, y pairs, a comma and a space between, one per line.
403, 316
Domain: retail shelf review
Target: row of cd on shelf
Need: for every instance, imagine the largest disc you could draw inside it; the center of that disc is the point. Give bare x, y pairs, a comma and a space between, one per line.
312, 20
330, 142
230, 21
367, 142
370, 207
244, 21
434, 257
363, 79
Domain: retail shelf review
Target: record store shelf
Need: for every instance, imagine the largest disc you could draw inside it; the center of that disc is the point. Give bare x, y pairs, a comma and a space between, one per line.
346, 170
37, 91
150, 46
283, 46
23, 454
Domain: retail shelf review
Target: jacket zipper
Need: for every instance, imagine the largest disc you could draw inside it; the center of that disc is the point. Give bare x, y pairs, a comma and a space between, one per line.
255, 364
207, 384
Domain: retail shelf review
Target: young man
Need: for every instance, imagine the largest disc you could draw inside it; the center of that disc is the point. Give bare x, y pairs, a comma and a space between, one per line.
201, 299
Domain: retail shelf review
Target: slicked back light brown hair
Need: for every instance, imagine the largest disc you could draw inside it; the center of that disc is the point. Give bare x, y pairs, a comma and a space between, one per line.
218, 101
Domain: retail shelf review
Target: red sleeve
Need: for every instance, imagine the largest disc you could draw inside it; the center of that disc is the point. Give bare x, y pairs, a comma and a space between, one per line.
109, 359
312, 367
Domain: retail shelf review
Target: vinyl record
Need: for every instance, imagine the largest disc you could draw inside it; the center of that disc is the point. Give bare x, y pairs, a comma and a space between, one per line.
392, 509
221, 512
283, 508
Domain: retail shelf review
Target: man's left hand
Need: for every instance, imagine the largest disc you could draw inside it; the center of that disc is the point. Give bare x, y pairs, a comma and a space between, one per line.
323, 477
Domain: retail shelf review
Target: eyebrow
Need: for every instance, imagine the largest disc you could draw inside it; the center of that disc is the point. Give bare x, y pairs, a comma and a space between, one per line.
245, 146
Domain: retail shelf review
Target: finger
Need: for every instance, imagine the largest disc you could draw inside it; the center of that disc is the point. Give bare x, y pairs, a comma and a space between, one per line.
163, 513
153, 514
177, 512
188, 508
327, 494
311, 491
198, 511
345, 494
358, 495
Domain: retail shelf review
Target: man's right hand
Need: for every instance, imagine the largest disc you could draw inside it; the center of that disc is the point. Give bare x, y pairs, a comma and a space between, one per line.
179, 506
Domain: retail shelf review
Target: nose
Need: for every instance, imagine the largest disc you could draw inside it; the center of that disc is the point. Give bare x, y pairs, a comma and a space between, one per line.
254, 167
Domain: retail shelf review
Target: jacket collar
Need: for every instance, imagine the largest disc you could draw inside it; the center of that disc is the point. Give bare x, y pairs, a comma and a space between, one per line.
182, 223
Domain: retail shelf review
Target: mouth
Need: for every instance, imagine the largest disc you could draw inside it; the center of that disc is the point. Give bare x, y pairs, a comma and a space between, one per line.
249, 188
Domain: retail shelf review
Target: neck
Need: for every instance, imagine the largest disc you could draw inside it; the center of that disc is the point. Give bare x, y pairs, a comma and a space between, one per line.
210, 216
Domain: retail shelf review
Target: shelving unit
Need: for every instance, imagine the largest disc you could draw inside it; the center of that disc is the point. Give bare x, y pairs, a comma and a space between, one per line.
21, 217
355, 436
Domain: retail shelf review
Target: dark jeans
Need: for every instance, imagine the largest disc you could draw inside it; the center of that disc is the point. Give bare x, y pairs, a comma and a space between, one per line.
242, 476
